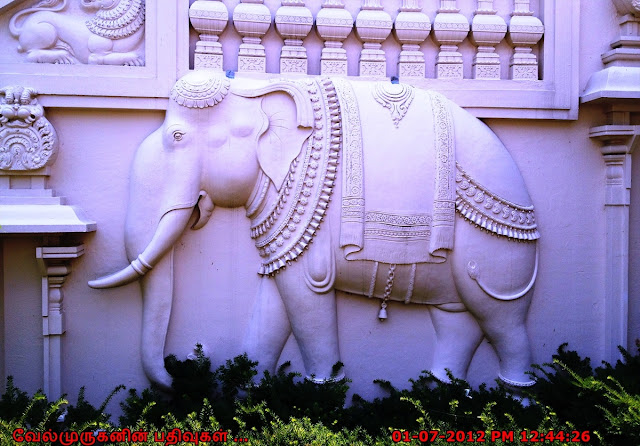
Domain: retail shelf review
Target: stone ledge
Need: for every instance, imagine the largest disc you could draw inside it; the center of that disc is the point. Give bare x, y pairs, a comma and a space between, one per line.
612, 83
43, 219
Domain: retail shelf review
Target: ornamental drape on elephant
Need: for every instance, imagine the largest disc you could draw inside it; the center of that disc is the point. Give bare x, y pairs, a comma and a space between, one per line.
398, 185
385, 217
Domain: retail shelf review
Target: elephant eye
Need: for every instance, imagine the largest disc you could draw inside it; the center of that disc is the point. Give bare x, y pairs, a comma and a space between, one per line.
178, 135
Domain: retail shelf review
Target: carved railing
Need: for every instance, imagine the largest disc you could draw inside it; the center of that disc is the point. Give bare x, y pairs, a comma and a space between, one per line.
515, 30
497, 58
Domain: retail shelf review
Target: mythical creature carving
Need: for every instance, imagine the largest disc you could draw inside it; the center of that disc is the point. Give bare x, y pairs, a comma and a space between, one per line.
283, 149
48, 33
28, 141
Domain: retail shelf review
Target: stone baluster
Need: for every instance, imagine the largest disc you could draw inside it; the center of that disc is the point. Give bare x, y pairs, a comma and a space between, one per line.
412, 27
525, 31
334, 25
487, 30
450, 28
252, 20
209, 18
293, 22
373, 26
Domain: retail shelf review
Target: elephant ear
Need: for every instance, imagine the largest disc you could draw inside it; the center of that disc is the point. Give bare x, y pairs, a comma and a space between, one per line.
289, 117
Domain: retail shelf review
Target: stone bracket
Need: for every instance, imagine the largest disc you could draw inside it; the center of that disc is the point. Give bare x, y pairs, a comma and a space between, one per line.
619, 142
55, 266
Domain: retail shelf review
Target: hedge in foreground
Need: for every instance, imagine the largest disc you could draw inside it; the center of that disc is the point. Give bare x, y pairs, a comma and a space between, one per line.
578, 404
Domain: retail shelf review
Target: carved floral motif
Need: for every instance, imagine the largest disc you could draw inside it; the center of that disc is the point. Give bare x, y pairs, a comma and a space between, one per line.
396, 97
200, 92
28, 141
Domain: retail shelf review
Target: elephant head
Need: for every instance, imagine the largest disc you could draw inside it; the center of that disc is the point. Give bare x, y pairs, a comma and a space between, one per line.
217, 145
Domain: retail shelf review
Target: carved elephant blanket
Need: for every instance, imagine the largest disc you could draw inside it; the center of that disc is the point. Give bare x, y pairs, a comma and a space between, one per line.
394, 137
385, 136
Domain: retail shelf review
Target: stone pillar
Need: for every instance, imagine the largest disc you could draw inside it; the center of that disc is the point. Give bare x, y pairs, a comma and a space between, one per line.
618, 144
487, 30
450, 28
293, 22
525, 31
209, 18
373, 26
55, 266
412, 27
334, 24
252, 20
617, 90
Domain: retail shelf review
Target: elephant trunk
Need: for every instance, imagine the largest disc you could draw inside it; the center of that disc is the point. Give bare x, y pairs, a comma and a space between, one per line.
169, 229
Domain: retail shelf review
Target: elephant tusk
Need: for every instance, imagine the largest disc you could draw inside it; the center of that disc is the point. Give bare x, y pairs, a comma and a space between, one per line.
169, 229
131, 273
474, 272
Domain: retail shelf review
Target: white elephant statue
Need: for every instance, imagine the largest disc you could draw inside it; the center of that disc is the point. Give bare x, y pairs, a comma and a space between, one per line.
373, 173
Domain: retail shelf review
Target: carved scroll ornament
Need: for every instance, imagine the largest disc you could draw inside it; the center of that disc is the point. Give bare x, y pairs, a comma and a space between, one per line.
28, 141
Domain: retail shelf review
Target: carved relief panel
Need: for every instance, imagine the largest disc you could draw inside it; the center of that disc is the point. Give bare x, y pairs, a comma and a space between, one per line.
127, 53
100, 32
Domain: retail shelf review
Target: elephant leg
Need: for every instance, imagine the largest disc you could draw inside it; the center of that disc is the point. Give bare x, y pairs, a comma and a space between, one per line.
157, 297
313, 320
508, 336
458, 335
503, 322
269, 328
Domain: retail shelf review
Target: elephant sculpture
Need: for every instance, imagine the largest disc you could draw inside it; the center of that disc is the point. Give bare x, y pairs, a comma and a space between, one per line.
351, 186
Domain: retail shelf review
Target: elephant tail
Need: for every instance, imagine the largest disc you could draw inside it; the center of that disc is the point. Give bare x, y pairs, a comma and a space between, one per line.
44, 5
474, 272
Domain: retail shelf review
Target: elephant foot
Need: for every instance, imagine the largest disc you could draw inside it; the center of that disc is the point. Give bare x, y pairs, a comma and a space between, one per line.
519, 391
161, 378
441, 376
334, 379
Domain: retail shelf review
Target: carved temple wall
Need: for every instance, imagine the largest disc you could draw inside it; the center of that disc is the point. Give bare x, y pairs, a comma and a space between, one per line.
571, 158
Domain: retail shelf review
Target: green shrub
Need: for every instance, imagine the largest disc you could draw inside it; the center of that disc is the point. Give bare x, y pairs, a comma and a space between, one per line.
283, 408
579, 395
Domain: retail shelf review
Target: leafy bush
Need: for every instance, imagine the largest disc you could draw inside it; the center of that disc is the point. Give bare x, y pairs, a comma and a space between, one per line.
283, 408
580, 395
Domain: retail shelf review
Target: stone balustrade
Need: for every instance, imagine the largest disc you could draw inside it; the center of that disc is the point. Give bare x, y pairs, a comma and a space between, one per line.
412, 39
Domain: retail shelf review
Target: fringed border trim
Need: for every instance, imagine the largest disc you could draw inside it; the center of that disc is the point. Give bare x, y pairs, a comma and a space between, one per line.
492, 213
335, 138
